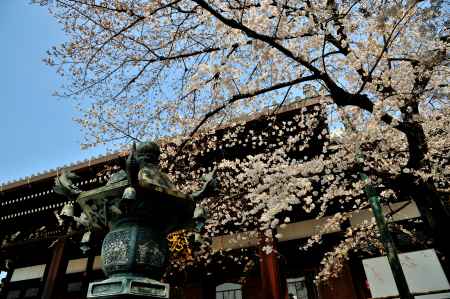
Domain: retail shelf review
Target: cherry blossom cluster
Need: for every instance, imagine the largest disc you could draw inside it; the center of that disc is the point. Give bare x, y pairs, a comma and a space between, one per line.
378, 72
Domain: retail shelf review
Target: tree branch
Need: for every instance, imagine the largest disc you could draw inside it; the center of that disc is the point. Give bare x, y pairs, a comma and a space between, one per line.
240, 97
253, 34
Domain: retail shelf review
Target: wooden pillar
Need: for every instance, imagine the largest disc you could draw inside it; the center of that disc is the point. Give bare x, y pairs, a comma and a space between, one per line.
6, 280
341, 287
251, 289
272, 288
88, 272
208, 289
56, 271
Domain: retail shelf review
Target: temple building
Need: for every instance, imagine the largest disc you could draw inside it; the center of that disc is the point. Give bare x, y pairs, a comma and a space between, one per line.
42, 257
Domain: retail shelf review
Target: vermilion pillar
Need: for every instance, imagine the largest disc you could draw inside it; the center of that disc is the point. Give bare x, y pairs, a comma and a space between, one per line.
271, 280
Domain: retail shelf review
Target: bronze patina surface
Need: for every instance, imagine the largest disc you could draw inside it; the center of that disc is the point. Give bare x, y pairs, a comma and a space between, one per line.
141, 206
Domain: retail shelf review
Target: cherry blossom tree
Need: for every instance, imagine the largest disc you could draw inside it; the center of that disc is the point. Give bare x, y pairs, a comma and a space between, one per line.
378, 69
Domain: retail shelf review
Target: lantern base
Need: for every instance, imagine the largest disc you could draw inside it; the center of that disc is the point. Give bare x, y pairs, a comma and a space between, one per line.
128, 287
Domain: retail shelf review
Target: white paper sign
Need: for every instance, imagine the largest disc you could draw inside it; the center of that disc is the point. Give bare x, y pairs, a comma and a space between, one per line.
422, 269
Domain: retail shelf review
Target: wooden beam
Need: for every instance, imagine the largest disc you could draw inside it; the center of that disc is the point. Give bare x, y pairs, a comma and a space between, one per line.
56, 271
307, 228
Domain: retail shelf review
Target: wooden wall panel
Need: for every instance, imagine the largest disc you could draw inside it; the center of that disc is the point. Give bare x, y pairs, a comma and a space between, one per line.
339, 288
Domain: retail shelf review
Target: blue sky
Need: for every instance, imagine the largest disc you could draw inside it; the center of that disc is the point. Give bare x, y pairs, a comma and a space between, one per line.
36, 129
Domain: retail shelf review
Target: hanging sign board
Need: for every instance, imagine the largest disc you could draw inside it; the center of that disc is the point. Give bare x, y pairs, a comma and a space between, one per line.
422, 269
